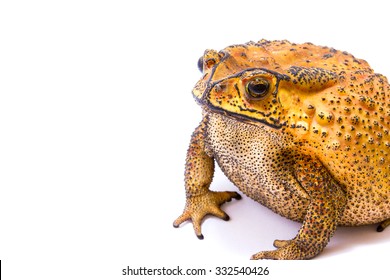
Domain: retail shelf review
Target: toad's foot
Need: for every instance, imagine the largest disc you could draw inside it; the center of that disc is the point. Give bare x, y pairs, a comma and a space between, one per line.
383, 225
197, 207
287, 250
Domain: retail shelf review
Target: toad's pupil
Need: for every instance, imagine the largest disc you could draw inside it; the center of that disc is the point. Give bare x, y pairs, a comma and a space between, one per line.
257, 89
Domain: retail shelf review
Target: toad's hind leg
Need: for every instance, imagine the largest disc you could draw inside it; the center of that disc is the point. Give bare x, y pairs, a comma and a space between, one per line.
327, 202
383, 225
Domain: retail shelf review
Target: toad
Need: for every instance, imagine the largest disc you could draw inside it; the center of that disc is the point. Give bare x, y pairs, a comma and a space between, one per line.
301, 129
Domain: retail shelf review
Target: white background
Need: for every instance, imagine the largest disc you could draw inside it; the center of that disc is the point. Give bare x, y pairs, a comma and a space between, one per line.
96, 115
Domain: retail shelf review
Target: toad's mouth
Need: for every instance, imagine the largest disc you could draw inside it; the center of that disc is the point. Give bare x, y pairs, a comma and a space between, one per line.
208, 107
261, 119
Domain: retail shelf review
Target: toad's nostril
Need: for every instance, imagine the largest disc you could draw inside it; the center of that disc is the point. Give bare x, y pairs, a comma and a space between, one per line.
209, 59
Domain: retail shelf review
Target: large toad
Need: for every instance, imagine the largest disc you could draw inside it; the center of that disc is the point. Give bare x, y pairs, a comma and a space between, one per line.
302, 129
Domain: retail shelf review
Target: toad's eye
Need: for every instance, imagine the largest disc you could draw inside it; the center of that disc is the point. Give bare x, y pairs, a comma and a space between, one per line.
200, 64
257, 88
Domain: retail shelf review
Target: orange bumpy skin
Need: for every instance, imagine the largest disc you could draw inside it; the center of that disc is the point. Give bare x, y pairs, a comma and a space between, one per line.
302, 129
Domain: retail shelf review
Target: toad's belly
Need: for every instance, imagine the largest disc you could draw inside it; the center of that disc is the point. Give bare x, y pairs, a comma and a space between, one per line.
246, 154
256, 185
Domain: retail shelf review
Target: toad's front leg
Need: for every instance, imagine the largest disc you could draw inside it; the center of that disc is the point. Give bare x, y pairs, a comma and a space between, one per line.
327, 202
199, 171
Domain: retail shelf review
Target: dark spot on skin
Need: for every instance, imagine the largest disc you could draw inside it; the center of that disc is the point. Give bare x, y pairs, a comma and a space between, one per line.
328, 55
